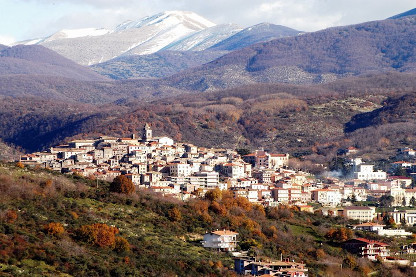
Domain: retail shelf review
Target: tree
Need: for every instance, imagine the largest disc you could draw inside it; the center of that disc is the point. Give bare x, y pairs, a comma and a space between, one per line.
122, 184
175, 214
404, 201
353, 198
213, 195
99, 234
54, 229
403, 221
413, 201
243, 151
386, 200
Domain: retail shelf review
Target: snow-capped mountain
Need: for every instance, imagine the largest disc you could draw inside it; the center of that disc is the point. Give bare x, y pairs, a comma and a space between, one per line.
146, 36
204, 39
258, 33
170, 30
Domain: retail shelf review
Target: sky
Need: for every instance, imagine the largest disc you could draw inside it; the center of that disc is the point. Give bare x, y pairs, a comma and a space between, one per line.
28, 19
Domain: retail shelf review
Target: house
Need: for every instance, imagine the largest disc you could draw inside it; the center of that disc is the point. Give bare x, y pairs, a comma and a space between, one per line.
409, 216
250, 266
224, 240
360, 213
368, 226
260, 159
369, 249
366, 171
326, 197
379, 229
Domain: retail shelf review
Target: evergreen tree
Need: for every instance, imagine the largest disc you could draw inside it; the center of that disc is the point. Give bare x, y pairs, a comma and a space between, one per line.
404, 201
413, 201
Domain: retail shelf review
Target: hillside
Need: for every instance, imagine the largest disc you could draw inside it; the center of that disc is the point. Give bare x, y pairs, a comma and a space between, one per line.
407, 13
158, 65
38, 60
64, 89
47, 223
8, 153
272, 116
262, 32
319, 57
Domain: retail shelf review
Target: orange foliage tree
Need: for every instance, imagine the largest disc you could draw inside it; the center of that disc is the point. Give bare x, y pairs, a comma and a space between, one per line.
10, 216
99, 234
174, 214
122, 184
54, 229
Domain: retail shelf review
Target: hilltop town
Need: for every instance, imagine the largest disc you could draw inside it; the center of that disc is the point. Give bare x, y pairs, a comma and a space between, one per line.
185, 171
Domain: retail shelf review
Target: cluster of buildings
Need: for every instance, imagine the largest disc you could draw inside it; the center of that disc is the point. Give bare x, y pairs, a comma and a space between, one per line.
181, 170
184, 170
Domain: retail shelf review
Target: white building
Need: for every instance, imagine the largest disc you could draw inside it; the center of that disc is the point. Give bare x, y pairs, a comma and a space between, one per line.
360, 213
180, 169
224, 240
366, 171
326, 197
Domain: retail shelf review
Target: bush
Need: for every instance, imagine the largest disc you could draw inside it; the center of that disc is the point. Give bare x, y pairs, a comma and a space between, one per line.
121, 244
122, 184
54, 229
98, 234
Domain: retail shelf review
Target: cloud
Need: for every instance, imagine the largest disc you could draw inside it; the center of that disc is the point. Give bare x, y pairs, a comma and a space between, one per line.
304, 15
7, 40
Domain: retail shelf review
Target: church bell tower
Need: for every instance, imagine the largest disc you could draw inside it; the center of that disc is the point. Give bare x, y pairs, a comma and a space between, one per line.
147, 133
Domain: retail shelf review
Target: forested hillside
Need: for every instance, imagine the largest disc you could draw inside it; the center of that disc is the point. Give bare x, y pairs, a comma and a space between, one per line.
51, 224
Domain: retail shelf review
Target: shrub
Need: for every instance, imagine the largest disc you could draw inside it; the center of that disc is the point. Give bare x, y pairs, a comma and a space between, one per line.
54, 229
174, 214
122, 184
121, 244
10, 216
99, 234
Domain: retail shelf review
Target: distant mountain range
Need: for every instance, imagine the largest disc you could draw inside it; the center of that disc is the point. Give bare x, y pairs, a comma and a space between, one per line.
171, 30
319, 57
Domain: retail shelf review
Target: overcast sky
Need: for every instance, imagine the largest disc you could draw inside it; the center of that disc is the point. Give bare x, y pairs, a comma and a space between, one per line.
25, 19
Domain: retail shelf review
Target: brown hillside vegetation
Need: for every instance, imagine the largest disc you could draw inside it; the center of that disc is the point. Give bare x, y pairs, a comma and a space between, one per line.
148, 235
303, 120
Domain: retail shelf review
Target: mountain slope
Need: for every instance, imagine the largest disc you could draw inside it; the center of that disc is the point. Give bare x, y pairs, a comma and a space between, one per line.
396, 110
158, 65
38, 60
262, 32
205, 38
146, 36
322, 56
408, 13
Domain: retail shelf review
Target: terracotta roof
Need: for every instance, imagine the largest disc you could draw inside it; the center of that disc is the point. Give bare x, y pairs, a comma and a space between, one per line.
371, 241
224, 233
369, 224
357, 208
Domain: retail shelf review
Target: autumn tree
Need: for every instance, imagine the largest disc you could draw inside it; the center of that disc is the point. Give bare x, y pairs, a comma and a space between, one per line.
98, 234
121, 244
10, 216
339, 234
54, 229
174, 214
122, 184
213, 195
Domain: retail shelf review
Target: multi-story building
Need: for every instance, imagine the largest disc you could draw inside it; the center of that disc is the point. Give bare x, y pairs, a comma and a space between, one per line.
326, 197
224, 240
369, 249
360, 213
